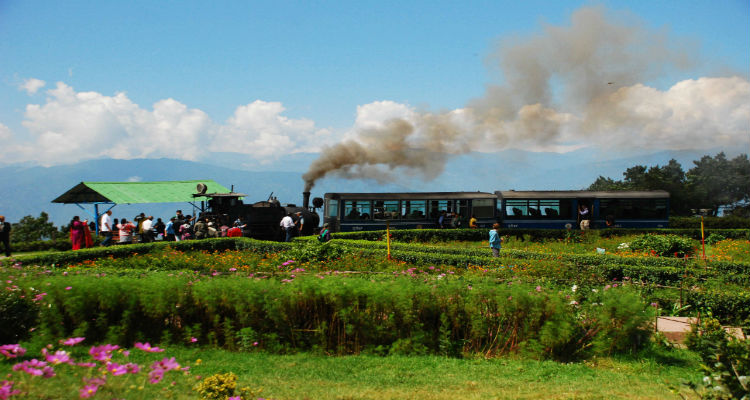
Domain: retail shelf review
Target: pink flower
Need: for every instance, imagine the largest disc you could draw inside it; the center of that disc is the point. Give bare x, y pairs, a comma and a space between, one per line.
156, 376
234, 398
133, 368
12, 350
31, 367
88, 391
538, 288
72, 341
147, 347
69, 287
232, 269
104, 352
255, 343
6, 390
116, 369
39, 297
193, 339
166, 364
59, 357
87, 365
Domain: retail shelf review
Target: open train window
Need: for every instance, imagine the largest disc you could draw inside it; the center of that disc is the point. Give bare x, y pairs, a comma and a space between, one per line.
414, 209
356, 210
385, 209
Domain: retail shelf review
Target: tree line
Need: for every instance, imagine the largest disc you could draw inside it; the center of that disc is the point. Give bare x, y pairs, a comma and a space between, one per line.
714, 184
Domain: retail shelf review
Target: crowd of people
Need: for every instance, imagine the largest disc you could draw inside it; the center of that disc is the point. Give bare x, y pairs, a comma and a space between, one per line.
143, 229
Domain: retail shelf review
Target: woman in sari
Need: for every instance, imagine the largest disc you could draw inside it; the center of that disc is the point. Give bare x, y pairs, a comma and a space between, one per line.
77, 233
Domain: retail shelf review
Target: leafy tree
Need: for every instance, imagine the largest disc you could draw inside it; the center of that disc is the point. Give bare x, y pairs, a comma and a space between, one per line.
717, 181
29, 229
713, 183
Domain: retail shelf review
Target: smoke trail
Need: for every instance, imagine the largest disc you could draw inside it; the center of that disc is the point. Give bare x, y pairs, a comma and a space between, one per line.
562, 87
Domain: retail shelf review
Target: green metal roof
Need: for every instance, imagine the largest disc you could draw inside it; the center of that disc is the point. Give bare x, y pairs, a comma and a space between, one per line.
137, 192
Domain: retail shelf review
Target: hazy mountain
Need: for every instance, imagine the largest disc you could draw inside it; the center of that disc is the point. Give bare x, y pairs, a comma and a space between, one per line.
28, 190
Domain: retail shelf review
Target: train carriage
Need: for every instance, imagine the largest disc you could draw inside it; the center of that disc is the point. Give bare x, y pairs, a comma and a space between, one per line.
350, 212
559, 209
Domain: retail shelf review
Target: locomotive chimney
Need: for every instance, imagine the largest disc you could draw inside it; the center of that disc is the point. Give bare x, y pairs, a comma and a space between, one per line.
306, 199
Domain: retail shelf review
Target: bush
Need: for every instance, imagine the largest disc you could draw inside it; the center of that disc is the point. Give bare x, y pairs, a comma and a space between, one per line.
18, 315
714, 238
728, 222
663, 245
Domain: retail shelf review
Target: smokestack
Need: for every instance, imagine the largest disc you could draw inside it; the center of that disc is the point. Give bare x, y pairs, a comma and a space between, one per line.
306, 199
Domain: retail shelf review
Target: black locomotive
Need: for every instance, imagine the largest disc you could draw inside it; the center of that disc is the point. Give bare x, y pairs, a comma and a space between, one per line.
261, 219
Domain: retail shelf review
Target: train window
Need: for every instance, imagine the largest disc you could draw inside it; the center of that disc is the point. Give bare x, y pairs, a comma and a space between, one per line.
516, 208
414, 209
483, 208
385, 209
536, 208
332, 208
357, 210
438, 206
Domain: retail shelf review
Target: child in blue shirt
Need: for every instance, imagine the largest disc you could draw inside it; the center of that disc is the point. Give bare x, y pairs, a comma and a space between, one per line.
495, 240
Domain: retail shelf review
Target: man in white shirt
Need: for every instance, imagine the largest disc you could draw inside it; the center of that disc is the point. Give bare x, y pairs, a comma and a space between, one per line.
147, 234
106, 227
287, 224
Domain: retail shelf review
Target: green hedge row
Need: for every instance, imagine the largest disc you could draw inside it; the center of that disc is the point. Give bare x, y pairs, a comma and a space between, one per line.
342, 315
709, 222
74, 257
483, 257
445, 235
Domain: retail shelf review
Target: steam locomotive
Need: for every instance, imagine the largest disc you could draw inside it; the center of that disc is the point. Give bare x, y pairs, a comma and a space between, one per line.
261, 219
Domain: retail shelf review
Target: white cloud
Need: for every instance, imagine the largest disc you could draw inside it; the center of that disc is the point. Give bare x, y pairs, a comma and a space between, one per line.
32, 85
71, 126
259, 129
692, 114
5, 133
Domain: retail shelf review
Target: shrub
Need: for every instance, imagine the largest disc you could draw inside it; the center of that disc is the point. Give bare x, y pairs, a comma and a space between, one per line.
663, 245
222, 387
714, 238
18, 314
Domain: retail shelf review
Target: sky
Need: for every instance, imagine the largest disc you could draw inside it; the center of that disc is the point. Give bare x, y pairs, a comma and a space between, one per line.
373, 86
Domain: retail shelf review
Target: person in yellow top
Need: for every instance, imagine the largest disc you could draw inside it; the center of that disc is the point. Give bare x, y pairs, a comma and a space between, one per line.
473, 222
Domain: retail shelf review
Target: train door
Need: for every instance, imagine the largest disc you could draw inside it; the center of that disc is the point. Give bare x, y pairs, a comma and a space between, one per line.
585, 212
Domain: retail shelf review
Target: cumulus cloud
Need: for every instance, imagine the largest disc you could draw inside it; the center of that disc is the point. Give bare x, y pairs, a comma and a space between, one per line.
31, 85
5, 133
71, 126
261, 130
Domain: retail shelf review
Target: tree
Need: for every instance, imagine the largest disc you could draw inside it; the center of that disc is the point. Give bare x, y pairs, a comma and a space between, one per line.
717, 182
30, 229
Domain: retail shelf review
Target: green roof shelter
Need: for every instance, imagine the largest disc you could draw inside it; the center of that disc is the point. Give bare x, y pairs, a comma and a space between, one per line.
114, 193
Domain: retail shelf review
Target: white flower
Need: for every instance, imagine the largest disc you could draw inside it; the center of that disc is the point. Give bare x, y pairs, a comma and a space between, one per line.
574, 288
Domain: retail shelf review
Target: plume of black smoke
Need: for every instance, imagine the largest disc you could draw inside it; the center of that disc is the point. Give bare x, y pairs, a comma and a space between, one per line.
562, 77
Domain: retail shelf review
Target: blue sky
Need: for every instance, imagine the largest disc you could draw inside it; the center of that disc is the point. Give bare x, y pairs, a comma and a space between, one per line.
313, 67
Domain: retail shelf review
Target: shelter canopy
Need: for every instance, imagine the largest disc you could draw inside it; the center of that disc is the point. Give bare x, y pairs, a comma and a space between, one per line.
137, 192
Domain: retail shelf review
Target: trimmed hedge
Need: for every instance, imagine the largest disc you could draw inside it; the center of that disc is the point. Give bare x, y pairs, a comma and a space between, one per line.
78, 256
729, 222
475, 235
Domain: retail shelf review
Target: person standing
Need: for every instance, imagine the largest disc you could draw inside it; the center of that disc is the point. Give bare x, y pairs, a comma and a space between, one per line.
77, 234
473, 222
287, 224
106, 227
169, 230
126, 231
325, 234
300, 222
495, 240
159, 228
584, 216
146, 232
5, 234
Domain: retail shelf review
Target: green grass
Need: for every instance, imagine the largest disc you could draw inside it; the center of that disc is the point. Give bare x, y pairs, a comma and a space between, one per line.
307, 376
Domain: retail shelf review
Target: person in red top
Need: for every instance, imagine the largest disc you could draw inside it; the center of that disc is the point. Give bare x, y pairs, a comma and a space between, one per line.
235, 231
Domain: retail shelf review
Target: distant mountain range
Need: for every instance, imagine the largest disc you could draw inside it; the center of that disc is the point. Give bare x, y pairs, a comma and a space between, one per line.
29, 190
